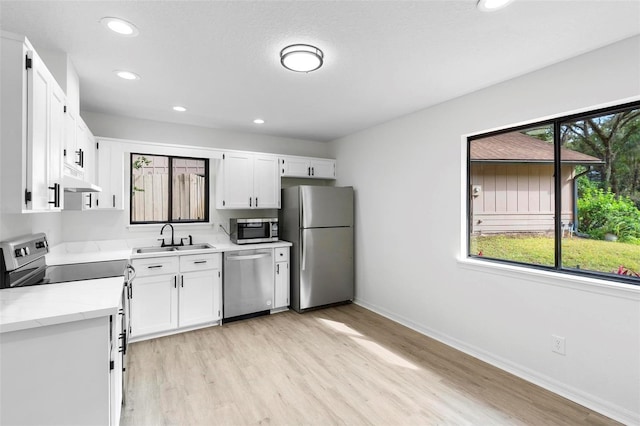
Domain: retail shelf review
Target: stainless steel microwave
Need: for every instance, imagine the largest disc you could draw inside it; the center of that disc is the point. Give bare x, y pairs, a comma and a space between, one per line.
251, 231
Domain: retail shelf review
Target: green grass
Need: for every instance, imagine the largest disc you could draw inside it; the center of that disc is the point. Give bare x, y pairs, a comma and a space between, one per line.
594, 255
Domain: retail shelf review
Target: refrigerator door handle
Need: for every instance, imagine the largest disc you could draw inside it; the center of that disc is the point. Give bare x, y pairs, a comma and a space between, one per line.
303, 265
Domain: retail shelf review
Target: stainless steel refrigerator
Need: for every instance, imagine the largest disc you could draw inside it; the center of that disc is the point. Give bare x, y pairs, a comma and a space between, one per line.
318, 220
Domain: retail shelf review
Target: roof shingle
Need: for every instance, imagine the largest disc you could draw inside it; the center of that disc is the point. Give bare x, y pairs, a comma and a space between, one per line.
518, 147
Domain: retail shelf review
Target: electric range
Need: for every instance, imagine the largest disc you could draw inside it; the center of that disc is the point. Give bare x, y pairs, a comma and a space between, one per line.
23, 264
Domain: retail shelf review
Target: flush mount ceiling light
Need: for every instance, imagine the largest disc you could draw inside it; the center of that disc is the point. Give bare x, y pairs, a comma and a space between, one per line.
179, 108
127, 75
258, 121
120, 26
301, 58
491, 5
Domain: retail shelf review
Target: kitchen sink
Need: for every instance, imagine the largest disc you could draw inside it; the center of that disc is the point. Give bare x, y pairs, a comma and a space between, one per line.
195, 247
153, 249
145, 250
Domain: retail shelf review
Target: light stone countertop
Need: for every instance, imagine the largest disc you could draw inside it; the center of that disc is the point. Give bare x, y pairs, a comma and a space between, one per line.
36, 306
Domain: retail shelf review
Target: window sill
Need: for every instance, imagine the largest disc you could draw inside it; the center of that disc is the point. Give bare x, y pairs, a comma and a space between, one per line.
593, 285
145, 227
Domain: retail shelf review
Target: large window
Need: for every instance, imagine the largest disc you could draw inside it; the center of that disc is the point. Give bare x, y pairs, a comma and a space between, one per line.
562, 194
169, 189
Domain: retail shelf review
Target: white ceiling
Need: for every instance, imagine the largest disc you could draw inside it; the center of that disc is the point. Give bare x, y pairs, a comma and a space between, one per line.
383, 59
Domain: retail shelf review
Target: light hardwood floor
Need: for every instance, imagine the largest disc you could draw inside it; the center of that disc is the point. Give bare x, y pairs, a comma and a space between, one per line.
341, 365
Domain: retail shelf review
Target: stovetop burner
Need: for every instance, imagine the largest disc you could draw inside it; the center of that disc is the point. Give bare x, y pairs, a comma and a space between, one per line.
22, 263
83, 271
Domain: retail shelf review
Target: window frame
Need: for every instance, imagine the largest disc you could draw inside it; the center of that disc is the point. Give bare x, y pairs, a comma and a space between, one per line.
170, 219
555, 123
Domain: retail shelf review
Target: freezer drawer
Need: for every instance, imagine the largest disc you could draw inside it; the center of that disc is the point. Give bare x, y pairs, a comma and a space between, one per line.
247, 282
326, 273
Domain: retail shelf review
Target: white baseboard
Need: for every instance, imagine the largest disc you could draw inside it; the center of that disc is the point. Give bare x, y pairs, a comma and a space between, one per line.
592, 402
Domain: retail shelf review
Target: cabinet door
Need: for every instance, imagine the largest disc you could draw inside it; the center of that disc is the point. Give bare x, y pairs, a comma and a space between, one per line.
281, 290
89, 157
154, 304
110, 175
323, 169
116, 377
266, 182
295, 167
70, 130
199, 297
236, 182
56, 147
40, 84
81, 141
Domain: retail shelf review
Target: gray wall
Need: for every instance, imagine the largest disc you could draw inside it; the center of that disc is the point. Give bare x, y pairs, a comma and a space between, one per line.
409, 176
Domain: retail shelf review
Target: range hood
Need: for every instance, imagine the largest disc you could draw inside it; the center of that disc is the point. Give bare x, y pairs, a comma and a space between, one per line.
73, 184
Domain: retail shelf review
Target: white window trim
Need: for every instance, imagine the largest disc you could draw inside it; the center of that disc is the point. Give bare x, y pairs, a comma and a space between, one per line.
556, 278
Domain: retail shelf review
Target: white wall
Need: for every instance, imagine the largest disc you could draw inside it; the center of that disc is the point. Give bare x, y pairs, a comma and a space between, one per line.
408, 179
112, 126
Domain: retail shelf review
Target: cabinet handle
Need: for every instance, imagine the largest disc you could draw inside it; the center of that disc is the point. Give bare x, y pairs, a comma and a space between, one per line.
182, 281
89, 204
154, 266
256, 201
175, 281
313, 171
278, 268
114, 200
199, 261
80, 154
56, 195
309, 171
250, 201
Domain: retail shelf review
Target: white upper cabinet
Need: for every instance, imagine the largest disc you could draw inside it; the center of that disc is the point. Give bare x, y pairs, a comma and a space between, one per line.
32, 118
110, 175
248, 180
266, 182
307, 167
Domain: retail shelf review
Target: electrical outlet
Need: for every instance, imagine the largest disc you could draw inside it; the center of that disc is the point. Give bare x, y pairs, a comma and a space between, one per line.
557, 344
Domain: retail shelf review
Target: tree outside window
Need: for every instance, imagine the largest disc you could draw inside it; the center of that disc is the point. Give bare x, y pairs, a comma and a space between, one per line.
561, 195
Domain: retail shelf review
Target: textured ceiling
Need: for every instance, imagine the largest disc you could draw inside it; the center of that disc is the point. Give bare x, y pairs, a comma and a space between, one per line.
383, 59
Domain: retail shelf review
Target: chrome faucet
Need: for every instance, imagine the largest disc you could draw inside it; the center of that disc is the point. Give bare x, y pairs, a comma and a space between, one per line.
162, 230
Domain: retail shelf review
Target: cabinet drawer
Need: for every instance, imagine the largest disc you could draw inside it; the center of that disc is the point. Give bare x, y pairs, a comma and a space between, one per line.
155, 266
198, 262
281, 254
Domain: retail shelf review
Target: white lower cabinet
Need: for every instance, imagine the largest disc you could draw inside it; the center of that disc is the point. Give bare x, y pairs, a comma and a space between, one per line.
175, 292
281, 282
200, 299
154, 304
62, 374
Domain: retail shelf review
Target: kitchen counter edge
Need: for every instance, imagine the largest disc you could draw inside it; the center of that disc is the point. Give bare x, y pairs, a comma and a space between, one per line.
37, 306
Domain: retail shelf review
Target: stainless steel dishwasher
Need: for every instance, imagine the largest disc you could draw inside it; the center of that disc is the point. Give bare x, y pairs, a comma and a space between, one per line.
247, 283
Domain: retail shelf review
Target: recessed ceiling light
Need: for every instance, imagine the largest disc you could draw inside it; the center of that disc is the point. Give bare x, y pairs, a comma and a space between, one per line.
179, 108
491, 5
301, 58
258, 121
127, 75
120, 26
